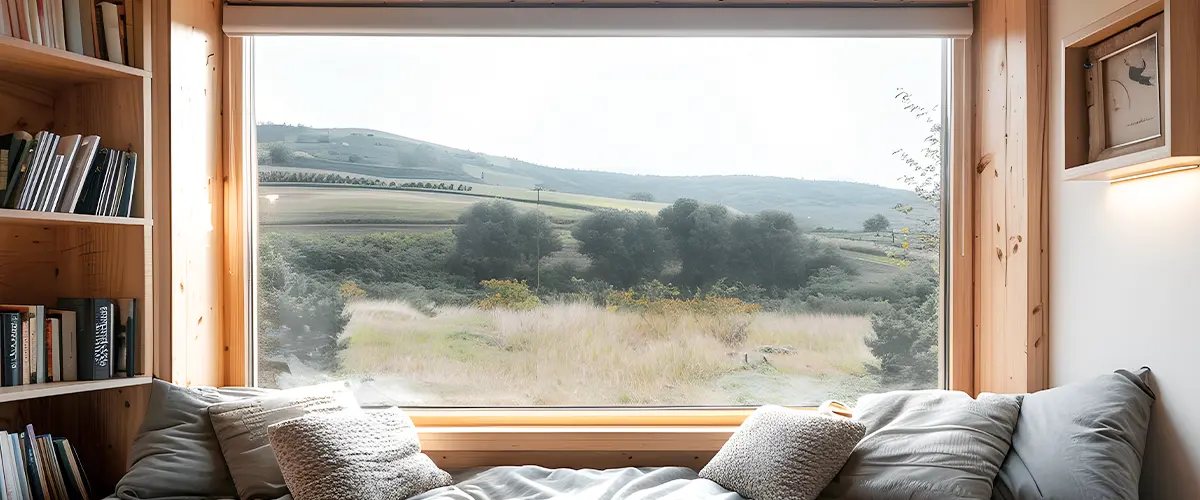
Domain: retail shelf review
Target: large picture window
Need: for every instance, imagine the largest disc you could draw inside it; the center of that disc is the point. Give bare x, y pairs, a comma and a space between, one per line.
489, 222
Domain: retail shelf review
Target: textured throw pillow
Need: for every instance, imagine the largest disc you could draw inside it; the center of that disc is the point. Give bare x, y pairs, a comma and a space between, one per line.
783, 454
362, 455
934, 444
1081, 440
241, 428
175, 453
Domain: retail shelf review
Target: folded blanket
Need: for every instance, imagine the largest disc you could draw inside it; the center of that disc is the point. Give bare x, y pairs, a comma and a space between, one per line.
538, 483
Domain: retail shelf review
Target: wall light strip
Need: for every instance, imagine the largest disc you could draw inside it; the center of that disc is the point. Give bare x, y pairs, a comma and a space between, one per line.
1154, 173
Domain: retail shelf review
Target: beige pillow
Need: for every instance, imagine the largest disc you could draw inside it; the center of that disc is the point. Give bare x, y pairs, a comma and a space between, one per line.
362, 455
784, 454
241, 428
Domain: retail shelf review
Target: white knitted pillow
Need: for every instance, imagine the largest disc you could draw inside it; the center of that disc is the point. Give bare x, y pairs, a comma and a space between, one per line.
355, 454
783, 454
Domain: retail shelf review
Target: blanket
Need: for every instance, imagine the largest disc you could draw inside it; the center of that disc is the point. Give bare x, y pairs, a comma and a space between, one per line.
539, 483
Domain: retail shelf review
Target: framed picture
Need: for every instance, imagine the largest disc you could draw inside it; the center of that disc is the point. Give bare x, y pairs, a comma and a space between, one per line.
1125, 92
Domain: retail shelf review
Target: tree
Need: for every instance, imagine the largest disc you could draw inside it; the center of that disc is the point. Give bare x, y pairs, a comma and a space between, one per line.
699, 233
925, 168
495, 241
625, 246
279, 154
767, 249
876, 224
641, 196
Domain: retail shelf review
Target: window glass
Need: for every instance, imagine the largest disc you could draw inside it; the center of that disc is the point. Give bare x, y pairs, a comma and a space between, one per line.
599, 221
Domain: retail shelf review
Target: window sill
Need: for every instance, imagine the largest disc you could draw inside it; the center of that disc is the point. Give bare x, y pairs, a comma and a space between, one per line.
564, 418
574, 438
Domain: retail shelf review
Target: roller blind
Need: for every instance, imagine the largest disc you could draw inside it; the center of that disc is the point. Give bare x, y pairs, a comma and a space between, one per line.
871, 18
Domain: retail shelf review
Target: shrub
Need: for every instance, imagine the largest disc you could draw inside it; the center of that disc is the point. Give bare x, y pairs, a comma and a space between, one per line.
508, 294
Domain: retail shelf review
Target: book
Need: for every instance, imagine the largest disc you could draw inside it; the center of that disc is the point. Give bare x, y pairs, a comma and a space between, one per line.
44, 30
93, 183
11, 489
124, 338
29, 170
39, 168
129, 175
68, 146
73, 187
53, 349
34, 318
54, 478
14, 446
13, 148
10, 343
35, 22
40, 350
94, 330
112, 32
87, 26
74, 28
14, 29
56, 17
78, 477
111, 172
5, 24
37, 481
18, 175
66, 347
22, 19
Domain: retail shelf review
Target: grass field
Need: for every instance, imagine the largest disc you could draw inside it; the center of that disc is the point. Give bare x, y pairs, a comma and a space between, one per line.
288, 205
581, 354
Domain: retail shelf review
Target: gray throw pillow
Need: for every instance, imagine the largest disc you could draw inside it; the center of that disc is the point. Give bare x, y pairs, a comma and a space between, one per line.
175, 454
241, 428
783, 454
927, 445
1081, 440
362, 455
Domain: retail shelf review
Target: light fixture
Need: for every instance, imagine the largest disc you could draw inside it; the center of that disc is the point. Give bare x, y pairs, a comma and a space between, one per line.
1151, 174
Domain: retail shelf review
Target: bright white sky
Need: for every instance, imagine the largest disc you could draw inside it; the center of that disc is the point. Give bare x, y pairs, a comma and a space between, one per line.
804, 108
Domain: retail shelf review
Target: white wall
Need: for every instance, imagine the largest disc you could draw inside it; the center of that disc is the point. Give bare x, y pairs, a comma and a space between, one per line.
1125, 283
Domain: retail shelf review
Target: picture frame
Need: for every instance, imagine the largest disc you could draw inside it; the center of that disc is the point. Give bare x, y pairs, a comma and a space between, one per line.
1125, 96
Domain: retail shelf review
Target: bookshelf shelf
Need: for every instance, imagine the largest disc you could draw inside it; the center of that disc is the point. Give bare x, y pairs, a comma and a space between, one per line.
30, 217
46, 64
32, 391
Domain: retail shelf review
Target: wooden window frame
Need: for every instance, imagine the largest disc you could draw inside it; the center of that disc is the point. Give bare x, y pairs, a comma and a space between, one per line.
607, 437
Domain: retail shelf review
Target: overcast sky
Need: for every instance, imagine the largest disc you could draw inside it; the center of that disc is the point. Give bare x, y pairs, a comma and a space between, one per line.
804, 108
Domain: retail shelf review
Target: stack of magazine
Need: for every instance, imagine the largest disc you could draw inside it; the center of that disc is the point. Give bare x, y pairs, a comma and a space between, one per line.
68, 174
44, 467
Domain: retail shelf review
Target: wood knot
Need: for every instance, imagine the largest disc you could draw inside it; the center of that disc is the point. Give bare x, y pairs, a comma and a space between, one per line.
1019, 239
999, 254
983, 163
1015, 246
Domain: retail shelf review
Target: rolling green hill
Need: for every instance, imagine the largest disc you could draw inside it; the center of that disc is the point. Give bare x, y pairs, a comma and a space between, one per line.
372, 153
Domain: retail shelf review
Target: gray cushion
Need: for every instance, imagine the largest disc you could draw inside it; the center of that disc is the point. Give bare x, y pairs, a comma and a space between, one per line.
783, 454
362, 455
241, 428
927, 445
1081, 440
175, 454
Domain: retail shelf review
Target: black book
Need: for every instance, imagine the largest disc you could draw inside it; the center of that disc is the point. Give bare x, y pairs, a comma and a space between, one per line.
124, 337
13, 148
94, 336
20, 174
90, 197
127, 189
10, 343
37, 481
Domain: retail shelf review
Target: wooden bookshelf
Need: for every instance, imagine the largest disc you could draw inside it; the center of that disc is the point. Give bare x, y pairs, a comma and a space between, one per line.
32, 391
45, 256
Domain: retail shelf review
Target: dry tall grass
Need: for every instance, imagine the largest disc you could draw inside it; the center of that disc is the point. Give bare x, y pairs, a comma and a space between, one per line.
581, 354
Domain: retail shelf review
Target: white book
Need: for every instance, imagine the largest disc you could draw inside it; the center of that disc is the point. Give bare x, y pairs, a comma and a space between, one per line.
76, 175
69, 357
112, 32
35, 21
8, 469
60, 30
39, 351
67, 147
14, 28
87, 25
14, 443
74, 26
44, 25
47, 190
5, 22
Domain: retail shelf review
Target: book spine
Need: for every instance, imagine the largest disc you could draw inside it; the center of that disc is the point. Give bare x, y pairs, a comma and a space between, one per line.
36, 484
74, 30
42, 334
102, 340
27, 326
112, 32
11, 346
127, 191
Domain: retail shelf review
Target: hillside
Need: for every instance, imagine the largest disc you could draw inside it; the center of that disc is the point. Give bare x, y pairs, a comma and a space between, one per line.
364, 152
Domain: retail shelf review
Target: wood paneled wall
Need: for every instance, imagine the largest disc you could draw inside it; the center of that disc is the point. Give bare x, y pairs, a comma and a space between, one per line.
190, 222
1011, 342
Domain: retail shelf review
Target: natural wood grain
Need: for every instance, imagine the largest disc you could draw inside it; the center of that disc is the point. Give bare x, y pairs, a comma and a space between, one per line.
25, 107
695, 460
56, 67
1011, 340
31, 217
159, 189
101, 425
960, 248
1181, 80
30, 257
196, 197
239, 186
32, 391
